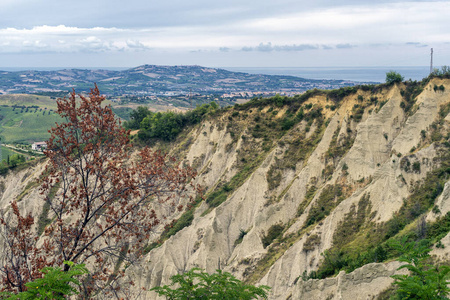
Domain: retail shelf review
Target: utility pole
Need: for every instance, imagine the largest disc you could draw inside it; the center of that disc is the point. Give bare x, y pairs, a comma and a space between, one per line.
431, 63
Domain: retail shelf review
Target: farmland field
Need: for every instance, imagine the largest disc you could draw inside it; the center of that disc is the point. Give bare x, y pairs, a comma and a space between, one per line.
28, 100
6, 152
27, 118
28, 125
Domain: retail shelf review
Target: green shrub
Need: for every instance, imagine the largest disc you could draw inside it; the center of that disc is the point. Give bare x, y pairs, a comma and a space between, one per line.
437, 230
425, 280
166, 125
242, 233
393, 77
274, 177
55, 284
352, 222
330, 197
196, 284
274, 232
185, 220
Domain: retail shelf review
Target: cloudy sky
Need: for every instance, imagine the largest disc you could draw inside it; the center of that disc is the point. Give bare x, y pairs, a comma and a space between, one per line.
227, 33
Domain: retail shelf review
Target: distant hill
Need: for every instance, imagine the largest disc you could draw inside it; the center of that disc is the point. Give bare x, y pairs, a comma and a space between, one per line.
158, 80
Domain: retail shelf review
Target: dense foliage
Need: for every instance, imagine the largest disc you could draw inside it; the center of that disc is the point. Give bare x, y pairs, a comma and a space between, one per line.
425, 280
166, 125
11, 162
444, 72
196, 284
393, 77
55, 284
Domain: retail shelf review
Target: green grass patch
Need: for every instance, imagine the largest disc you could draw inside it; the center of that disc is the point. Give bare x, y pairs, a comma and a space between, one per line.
43, 219
28, 100
272, 233
28, 188
352, 223
329, 198
21, 126
310, 193
7, 152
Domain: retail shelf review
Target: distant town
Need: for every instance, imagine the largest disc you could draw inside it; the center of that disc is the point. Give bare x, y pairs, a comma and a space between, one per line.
177, 85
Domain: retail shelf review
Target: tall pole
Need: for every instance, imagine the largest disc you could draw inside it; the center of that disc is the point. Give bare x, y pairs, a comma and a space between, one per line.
431, 63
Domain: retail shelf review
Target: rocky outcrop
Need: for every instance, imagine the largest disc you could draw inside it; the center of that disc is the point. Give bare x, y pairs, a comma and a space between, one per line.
307, 177
364, 283
383, 137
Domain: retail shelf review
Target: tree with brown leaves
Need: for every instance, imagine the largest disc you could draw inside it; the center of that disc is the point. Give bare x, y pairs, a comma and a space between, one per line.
103, 198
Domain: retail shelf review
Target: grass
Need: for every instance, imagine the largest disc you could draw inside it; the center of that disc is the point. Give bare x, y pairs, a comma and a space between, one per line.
26, 127
274, 177
273, 233
21, 126
43, 220
28, 100
329, 198
349, 227
311, 242
6, 152
28, 188
171, 229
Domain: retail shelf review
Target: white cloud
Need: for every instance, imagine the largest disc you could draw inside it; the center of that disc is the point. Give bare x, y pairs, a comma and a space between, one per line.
344, 26
396, 22
137, 45
315, 31
269, 47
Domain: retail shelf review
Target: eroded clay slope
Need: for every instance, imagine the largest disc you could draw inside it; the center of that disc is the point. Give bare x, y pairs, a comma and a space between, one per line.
365, 150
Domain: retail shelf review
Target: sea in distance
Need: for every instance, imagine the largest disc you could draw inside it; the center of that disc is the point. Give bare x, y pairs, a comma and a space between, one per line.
361, 74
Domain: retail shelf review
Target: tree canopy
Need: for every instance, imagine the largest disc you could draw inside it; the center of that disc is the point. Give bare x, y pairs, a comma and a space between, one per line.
425, 280
393, 77
166, 125
196, 284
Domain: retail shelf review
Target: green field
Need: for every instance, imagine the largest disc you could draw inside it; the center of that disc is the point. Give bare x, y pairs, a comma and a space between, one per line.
28, 100
6, 152
24, 124
19, 126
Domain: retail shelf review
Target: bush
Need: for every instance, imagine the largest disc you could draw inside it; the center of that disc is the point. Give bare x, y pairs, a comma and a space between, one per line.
166, 125
274, 232
196, 284
56, 284
330, 197
425, 281
393, 77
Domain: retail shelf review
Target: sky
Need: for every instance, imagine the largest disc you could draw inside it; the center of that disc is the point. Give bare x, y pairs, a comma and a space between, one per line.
227, 33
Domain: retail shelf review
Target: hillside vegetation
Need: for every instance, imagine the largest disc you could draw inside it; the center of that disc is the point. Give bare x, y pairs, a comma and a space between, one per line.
303, 194
27, 118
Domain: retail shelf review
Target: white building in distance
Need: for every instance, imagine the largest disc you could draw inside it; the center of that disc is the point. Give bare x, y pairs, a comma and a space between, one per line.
39, 146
